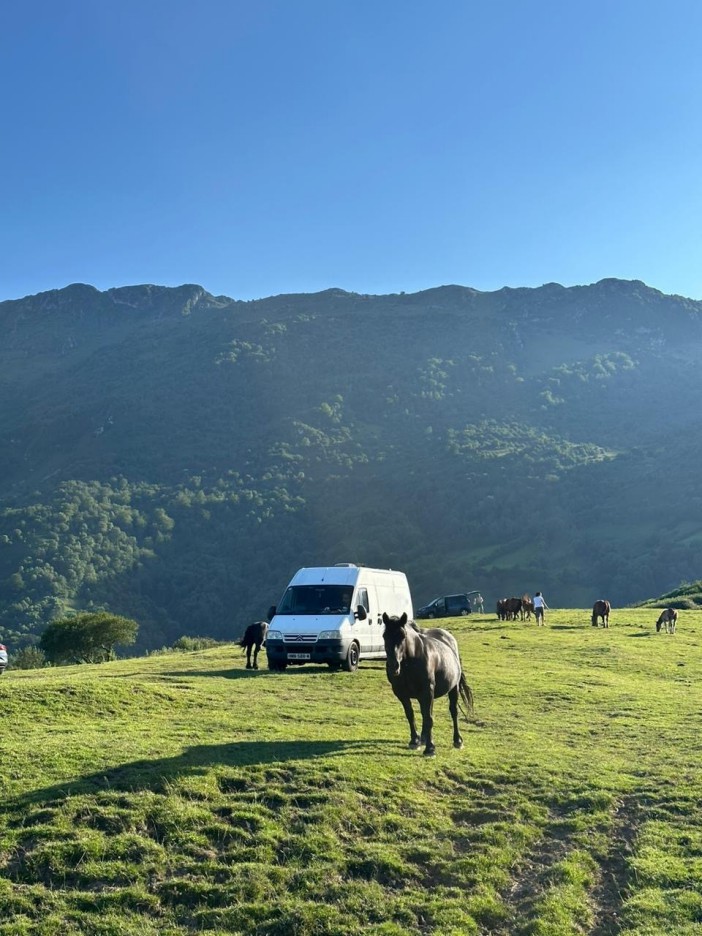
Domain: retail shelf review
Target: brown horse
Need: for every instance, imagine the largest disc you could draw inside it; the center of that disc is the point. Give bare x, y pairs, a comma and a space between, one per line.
668, 619
601, 609
425, 665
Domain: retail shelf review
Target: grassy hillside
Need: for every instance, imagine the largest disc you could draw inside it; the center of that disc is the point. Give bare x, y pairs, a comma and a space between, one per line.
175, 457
688, 595
180, 793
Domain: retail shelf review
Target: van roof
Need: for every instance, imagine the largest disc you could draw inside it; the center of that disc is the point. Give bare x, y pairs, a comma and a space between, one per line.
338, 574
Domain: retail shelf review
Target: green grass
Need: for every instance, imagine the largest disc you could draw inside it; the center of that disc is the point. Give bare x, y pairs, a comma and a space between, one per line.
182, 794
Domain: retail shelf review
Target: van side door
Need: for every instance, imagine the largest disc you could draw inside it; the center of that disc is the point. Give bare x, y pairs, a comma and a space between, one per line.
365, 630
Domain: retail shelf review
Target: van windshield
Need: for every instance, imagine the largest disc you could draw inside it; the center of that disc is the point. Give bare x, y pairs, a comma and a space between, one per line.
316, 599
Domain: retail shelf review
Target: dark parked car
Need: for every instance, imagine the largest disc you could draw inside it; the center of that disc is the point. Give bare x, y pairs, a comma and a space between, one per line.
447, 606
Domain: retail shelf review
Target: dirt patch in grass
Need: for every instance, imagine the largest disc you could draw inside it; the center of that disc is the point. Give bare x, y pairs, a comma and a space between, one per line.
532, 873
616, 872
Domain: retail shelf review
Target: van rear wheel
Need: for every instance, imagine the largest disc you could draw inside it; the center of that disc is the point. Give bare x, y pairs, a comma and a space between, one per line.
350, 664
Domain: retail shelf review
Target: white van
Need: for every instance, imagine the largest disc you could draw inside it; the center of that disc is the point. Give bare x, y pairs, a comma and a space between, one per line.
334, 615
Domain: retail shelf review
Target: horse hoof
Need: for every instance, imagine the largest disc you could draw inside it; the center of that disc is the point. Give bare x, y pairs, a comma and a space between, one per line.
430, 752
458, 745
248, 666
413, 745
255, 666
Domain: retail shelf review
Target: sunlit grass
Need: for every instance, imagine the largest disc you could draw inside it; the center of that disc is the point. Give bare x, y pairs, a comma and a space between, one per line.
181, 793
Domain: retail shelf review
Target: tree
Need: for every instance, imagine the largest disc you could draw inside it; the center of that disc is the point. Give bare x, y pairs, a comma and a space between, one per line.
87, 637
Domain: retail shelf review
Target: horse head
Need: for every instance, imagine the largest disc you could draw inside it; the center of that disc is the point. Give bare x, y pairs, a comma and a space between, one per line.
395, 638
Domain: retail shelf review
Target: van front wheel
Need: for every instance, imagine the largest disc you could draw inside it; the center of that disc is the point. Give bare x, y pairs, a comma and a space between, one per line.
350, 664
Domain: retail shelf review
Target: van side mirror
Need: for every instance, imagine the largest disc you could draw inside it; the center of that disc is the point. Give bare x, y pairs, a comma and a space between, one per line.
271, 613
360, 614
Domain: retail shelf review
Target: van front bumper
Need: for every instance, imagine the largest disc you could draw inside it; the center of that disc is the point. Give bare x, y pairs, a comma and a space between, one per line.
322, 651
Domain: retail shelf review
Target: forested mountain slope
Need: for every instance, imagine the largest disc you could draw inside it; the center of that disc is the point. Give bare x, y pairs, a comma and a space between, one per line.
175, 456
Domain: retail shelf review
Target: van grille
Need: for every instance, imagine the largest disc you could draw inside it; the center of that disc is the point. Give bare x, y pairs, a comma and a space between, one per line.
300, 638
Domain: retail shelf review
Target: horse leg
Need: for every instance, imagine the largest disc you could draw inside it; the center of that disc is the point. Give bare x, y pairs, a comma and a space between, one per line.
453, 708
255, 656
414, 741
426, 704
248, 656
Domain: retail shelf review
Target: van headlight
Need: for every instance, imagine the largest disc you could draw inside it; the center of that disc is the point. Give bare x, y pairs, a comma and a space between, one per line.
330, 635
274, 635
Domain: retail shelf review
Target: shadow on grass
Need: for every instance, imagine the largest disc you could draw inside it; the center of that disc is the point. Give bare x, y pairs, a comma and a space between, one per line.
160, 773
641, 634
220, 674
264, 673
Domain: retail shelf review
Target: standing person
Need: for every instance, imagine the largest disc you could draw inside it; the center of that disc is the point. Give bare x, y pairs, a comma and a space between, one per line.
539, 605
478, 603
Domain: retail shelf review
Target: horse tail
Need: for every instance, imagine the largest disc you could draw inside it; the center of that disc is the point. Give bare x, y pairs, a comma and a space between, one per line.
466, 696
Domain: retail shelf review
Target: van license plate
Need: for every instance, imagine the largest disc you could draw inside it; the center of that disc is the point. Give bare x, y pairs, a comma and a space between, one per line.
299, 656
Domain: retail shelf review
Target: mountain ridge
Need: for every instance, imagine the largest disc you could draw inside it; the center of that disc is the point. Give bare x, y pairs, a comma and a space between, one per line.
73, 290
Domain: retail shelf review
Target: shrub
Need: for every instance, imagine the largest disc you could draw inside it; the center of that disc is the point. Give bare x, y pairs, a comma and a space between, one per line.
682, 604
195, 643
28, 658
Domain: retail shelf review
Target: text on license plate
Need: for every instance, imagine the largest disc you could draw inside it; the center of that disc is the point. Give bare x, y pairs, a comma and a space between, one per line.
298, 656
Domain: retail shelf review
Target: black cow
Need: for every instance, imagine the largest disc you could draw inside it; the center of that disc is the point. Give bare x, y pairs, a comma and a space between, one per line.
512, 608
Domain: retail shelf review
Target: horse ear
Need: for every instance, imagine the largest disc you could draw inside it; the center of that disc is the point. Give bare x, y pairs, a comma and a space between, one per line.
385, 618
403, 619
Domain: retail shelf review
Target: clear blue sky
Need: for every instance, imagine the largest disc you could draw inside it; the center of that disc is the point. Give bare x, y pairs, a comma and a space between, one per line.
266, 146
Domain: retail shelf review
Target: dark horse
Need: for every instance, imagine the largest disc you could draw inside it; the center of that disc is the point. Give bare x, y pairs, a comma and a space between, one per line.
601, 609
425, 665
668, 620
253, 638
